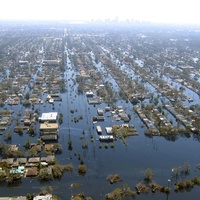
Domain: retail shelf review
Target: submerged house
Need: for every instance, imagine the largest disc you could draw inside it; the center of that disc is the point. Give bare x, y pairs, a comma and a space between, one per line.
31, 171
43, 197
99, 129
106, 138
89, 94
100, 111
49, 131
98, 118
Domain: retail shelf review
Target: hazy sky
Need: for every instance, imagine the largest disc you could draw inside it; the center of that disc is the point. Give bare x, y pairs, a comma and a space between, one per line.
167, 11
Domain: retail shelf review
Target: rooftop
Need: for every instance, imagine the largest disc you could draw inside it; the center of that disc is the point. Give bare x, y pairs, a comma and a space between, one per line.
51, 116
48, 126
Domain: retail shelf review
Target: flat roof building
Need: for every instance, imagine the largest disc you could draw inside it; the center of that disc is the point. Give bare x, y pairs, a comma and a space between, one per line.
50, 117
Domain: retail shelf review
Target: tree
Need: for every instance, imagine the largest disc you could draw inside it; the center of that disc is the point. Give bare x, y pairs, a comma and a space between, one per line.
8, 136
60, 118
29, 196
27, 143
113, 178
47, 190
120, 193
12, 177
58, 171
140, 187
45, 174
57, 148
185, 168
19, 129
33, 151
31, 130
82, 169
27, 95
70, 144
148, 174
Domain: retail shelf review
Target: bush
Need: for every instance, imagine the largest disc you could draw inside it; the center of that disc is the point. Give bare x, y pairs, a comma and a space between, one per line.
120, 193
196, 180
69, 168
181, 184
45, 174
82, 169
189, 184
58, 171
113, 178
148, 174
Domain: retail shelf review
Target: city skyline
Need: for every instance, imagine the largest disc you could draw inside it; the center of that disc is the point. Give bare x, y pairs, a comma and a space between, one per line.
156, 11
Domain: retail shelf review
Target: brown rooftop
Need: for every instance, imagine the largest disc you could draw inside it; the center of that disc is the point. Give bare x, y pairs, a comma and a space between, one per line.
34, 160
48, 126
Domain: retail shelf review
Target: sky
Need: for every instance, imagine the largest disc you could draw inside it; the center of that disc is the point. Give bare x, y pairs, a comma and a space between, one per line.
158, 11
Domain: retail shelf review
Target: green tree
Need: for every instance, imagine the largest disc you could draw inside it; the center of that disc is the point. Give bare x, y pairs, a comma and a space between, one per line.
8, 136
70, 144
27, 143
148, 175
31, 130
27, 95
46, 190
82, 169
58, 171
29, 196
45, 174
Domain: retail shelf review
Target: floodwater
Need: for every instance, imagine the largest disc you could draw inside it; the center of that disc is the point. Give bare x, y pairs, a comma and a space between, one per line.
129, 161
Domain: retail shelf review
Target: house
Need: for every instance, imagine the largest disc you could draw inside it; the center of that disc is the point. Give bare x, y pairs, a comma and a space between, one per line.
89, 94
51, 62
94, 100
14, 147
49, 131
124, 117
99, 129
2, 172
43, 197
27, 122
109, 130
31, 172
100, 111
22, 161
107, 109
47, 170
51, 159
33, 161
106, 138
15, 164
49, 147
98, 118
13, 198
49, 137
10, 161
